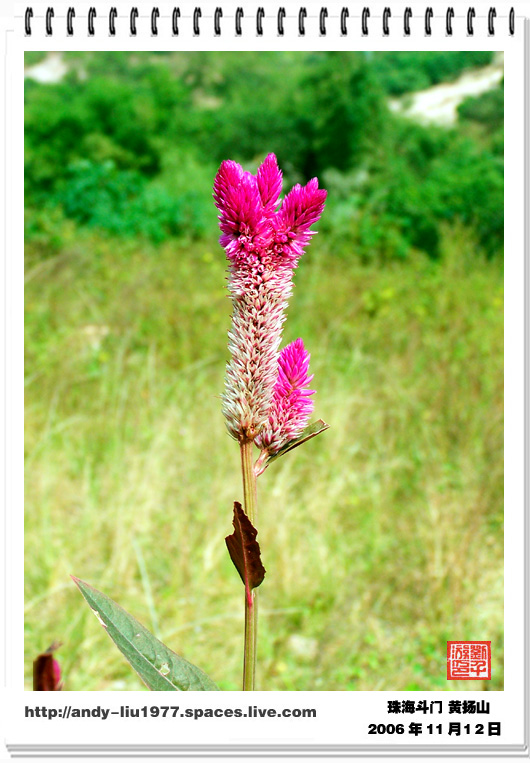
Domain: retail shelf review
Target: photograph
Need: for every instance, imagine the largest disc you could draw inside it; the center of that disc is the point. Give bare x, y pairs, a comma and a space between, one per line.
264, 371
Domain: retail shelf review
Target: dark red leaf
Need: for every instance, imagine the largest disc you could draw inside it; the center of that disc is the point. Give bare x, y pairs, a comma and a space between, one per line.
244, 551
46, 671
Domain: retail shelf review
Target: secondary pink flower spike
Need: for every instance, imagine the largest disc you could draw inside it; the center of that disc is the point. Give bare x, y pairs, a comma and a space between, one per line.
292, 406
264, 241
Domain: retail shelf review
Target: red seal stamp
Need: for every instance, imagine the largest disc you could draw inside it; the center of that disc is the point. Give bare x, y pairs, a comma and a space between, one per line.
469, 660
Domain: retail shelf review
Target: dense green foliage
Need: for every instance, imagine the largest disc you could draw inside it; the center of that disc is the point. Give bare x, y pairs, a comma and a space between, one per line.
403, 71
486, 109
129, 143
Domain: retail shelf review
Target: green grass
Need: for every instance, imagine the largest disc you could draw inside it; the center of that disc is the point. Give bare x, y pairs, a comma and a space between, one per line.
382, 538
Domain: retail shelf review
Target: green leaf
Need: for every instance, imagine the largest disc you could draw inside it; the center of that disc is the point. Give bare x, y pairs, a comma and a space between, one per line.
309, 432
157, 665
244, 550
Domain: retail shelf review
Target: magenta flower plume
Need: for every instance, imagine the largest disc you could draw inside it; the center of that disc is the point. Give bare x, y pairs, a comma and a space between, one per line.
292, 406
264, 241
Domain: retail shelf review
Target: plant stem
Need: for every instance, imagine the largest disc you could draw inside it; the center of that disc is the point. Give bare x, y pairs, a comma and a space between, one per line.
250, 495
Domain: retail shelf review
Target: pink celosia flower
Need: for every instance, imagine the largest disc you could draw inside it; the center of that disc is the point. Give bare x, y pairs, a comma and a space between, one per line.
292, 406
263, 242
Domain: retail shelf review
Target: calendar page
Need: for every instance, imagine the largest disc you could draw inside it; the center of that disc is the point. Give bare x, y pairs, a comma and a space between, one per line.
265, 381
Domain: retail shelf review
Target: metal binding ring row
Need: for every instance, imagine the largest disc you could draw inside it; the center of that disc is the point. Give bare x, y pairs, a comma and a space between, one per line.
260, 15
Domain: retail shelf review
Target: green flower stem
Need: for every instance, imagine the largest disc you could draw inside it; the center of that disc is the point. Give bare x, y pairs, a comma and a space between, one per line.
250, 494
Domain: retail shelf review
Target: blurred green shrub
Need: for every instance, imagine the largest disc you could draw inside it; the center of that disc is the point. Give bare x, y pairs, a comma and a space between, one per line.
486, 109
33, 57
99, 194
48, 230
130, 143
124, 203
402, 72
98, 119
420, 180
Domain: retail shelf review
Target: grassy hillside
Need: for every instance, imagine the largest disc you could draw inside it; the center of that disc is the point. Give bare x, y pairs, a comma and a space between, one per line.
382, 538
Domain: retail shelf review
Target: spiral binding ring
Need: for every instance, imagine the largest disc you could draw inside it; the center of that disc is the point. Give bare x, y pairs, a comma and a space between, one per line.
491, 15
281, 17
175, 22
70, 14
322, 21
216, 21
406, 21
197, 13
302, 13
239, 16
155, 14
428, 17
387, 13
28, 15
92, 14
260, 15
449, 16
50, 13
344, 14
132, 21
364, 21
470, 17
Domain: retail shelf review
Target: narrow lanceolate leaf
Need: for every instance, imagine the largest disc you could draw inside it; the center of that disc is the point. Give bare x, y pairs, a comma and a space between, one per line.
158, 667
244, 551
309, 432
